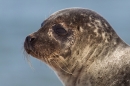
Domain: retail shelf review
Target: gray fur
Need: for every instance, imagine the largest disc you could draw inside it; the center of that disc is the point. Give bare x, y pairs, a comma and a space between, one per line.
82, 48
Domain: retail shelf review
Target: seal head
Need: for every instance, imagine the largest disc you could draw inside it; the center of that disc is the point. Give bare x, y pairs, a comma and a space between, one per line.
82, 48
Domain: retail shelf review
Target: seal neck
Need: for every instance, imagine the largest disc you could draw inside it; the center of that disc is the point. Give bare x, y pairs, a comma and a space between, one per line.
81, 60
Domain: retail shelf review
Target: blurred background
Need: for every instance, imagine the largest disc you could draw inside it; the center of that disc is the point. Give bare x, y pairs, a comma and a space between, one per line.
18, 18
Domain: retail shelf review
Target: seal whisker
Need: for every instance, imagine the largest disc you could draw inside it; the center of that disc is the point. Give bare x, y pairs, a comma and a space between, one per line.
63, 62
59, 61
61, 67
27, 57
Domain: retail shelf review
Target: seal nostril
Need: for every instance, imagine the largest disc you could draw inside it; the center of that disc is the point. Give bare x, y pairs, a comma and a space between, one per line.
30, 39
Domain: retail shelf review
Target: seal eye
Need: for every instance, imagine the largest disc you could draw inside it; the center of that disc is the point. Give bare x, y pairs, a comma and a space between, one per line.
59, 30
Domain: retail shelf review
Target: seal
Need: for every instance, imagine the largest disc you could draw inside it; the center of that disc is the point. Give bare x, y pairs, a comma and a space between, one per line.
82, 48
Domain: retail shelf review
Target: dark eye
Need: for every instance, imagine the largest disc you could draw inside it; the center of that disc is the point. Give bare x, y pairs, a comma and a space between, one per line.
59, 30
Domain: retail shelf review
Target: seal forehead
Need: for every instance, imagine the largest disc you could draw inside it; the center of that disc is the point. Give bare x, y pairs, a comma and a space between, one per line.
68, 17
83, 20
69, 14
75, 16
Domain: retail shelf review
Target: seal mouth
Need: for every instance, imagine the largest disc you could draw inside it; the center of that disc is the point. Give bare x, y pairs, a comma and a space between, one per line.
35, 49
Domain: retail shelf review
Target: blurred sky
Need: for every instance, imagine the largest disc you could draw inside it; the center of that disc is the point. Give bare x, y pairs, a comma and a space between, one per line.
18, 18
